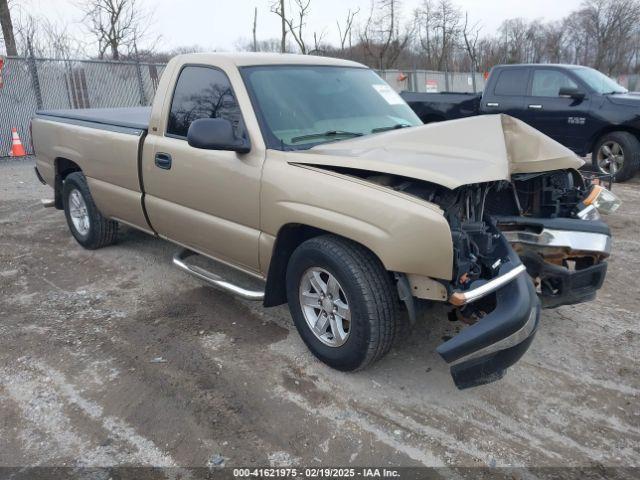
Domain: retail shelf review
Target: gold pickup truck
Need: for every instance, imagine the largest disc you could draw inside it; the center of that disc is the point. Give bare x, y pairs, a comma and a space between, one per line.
312, 175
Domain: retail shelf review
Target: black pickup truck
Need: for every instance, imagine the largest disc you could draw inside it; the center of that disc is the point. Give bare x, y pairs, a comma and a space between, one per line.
577, 106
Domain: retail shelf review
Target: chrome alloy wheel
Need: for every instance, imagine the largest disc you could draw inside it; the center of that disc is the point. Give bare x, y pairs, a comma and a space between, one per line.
610, 157
78, 212
325, 307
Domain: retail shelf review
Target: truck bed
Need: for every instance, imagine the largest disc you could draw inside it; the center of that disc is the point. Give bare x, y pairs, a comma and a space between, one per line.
435, 107
438, 97
132, 117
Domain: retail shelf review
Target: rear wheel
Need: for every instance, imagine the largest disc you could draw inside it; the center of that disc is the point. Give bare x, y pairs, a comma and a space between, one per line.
87, 225
342, 301
617, 154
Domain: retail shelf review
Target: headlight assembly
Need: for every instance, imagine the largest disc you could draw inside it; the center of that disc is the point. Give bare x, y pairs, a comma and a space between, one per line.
604, 200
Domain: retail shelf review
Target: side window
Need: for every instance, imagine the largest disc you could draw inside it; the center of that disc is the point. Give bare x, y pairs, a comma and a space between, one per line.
512, 81
547, 83
202, 92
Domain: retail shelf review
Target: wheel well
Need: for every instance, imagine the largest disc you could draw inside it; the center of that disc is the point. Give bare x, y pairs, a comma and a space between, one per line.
287, 240
63, 167
610, 129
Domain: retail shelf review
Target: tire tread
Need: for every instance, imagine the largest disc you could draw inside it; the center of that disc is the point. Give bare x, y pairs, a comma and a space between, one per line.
628, 141
104, 232
376, 286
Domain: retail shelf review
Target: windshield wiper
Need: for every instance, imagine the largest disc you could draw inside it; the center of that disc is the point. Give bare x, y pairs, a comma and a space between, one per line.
329, 133
392, 127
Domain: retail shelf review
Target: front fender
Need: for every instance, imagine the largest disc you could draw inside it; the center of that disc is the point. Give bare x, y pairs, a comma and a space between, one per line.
407, 234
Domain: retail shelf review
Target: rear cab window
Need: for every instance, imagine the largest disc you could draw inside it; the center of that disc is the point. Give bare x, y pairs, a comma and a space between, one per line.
202, 92
512, 82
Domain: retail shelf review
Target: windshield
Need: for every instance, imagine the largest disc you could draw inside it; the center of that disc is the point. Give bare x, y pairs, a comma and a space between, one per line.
304, 105
598, 81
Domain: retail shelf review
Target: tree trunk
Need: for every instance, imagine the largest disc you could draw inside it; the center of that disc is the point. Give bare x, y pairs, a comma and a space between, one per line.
115, 54
7, 29
283, 42
255, 23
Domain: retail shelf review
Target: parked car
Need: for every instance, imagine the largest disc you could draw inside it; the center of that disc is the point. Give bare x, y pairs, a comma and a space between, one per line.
579, 107
299, 171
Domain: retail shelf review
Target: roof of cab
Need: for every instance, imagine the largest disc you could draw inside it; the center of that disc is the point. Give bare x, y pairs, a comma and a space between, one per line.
538, 65
245, 59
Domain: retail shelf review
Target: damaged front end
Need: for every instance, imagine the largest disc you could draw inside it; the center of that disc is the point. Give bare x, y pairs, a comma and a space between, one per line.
519, 246
489, 289
524, 224
553, 223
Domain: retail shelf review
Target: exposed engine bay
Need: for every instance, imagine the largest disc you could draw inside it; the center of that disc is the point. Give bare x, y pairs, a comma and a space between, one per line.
487, 219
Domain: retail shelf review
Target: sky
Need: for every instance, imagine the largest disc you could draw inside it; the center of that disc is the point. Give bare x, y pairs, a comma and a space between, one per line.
218, 24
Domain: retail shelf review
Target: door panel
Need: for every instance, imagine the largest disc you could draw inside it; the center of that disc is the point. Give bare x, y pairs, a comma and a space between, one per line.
207, 199
563, 119
204, 199
508, 93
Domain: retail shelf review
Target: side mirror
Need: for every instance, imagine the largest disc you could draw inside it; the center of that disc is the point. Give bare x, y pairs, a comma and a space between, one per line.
572, 92
215, 134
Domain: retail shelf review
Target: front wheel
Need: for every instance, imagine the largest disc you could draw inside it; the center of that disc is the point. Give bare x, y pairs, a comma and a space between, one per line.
617, 154
87, 225
342, 301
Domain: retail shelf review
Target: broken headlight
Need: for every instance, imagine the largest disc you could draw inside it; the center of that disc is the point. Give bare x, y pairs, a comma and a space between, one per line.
604, 200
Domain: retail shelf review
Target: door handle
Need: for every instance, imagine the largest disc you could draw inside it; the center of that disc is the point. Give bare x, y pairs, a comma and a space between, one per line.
163, 160
535, 107
493, 104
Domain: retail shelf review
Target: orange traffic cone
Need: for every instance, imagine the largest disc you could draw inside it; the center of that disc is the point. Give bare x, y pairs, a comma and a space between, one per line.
17, 150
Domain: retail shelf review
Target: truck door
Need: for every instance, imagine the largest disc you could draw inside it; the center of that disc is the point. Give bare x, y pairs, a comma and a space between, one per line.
508, 92
207, 200
562, 118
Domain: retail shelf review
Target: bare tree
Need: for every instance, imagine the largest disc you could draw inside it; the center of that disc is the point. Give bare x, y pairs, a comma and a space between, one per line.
295, 26
266, 45
471, 34
115, 24
318, 45
345, 32
612, 24
255, 24
381, 36
439, 31
38, 36
277, 7
7, 28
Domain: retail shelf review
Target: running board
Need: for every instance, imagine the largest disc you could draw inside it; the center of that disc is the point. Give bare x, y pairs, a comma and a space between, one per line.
47, 202
179, 259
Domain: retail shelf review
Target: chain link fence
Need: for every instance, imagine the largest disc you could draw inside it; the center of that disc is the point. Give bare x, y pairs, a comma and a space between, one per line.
30, 84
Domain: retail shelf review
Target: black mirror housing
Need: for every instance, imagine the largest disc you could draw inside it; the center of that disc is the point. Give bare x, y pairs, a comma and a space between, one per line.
572, 92
216, 134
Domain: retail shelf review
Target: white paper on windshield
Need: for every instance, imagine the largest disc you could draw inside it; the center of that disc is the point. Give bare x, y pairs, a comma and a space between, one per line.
388, 94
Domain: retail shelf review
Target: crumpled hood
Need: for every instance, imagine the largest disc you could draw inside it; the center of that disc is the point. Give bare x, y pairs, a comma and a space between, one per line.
454, 153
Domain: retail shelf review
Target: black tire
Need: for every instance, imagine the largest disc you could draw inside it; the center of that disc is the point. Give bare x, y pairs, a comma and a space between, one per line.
371, 294
630, 149
101, 231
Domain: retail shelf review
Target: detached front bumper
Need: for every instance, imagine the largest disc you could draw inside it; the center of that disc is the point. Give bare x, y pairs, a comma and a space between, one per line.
482, 352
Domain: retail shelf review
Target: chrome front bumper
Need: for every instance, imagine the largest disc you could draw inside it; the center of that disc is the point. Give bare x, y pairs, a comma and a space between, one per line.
459, 298
482, 352
545, 244
572, 240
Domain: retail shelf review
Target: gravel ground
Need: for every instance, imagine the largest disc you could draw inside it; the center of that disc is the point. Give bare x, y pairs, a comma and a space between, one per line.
114, 357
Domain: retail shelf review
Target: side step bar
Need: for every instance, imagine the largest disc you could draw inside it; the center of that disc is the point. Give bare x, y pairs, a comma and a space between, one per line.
47, 202
179, 259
